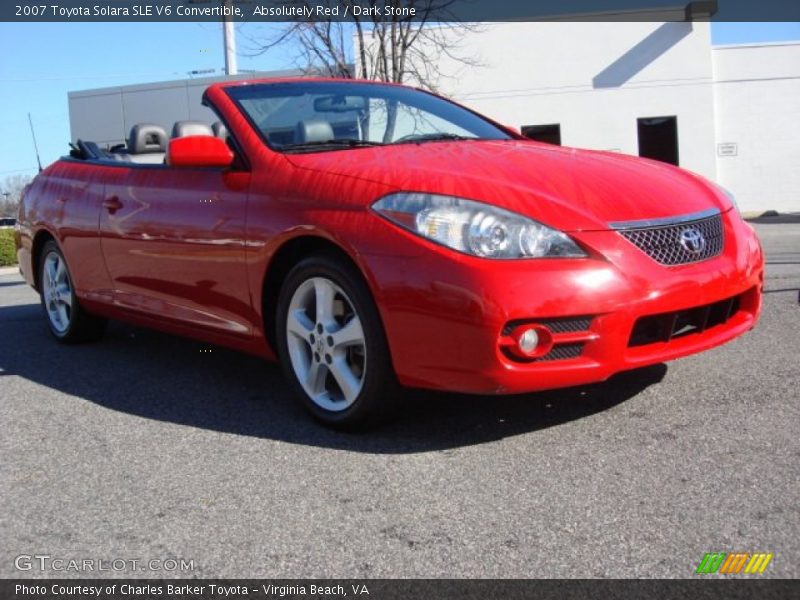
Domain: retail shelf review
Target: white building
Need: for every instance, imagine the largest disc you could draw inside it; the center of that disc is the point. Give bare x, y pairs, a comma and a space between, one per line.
730, 113
106, 115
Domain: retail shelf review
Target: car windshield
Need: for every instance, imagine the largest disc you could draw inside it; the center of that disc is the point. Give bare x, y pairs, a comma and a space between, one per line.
326, 116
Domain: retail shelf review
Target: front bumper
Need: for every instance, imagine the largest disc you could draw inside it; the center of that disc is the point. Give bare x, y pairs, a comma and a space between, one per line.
446, 314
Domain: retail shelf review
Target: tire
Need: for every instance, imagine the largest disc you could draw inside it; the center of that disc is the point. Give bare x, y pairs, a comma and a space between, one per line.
332, 346
67, 320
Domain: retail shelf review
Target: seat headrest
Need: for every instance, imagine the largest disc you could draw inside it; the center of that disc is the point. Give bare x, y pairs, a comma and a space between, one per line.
313, 130
146, 137
220, 130
186, 128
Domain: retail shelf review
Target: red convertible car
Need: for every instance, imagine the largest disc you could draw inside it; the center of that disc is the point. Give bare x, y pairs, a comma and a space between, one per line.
374, 236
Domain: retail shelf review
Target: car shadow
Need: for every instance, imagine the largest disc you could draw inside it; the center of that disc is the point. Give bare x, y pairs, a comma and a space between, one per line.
11, 283
171, 379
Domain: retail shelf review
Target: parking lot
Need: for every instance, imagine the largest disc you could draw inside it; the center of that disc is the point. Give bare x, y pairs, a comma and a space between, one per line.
145, 446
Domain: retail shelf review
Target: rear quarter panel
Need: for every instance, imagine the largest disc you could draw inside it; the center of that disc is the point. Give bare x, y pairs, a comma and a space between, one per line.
64, 202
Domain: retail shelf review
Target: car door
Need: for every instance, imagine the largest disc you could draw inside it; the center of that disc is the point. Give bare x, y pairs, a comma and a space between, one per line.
174, 244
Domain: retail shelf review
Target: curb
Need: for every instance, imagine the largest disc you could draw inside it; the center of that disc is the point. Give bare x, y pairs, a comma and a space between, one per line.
771, 217
13, 270
754, 214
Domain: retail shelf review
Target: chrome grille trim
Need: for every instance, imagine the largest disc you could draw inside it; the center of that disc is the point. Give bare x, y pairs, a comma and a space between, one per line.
662, 242
645, 223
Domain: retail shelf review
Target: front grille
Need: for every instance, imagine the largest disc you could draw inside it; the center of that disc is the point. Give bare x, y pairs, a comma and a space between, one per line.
557, 352
563, 352
558, 325
567, 325
663, 243
668, 326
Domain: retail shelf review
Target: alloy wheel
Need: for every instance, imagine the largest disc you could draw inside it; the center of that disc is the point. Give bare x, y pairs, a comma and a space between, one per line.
57, 292
326, 343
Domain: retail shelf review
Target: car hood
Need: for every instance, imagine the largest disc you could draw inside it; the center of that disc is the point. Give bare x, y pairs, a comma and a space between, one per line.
565, 188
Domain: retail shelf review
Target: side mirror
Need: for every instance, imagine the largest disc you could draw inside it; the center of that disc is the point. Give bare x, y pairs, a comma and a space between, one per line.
199, 151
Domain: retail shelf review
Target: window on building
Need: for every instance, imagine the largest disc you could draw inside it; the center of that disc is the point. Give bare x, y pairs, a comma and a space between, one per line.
549, 134
658, 138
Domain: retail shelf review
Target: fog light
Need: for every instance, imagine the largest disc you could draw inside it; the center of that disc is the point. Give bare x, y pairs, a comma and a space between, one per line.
528, 341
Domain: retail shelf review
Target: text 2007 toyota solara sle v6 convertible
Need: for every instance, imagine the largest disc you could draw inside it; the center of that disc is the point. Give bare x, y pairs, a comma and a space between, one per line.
370, 235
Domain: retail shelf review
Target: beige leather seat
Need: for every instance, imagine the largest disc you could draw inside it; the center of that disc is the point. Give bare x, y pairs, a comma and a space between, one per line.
147, 144
187, 128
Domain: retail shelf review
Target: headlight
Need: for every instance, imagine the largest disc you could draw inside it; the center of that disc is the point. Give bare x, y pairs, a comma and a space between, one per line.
475, 228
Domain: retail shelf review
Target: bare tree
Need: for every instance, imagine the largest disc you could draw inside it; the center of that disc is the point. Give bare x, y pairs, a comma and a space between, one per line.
11, 193
398, 48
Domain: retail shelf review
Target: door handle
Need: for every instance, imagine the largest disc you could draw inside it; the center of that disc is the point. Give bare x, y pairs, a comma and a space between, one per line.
112, 204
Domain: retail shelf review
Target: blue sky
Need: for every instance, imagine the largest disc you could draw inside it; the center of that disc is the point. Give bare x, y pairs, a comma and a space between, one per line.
43, 61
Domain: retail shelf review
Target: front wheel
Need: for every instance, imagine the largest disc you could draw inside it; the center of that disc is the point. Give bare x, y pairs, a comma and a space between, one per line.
67, 320
332, 346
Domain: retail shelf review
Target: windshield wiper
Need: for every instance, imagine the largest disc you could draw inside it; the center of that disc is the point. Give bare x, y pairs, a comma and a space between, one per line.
433, 137
342, 143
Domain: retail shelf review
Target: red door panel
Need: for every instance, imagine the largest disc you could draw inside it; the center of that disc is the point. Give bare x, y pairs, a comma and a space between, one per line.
174, 244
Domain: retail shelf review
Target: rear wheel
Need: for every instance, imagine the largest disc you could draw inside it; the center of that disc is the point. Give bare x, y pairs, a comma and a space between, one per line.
332, 345
67, 320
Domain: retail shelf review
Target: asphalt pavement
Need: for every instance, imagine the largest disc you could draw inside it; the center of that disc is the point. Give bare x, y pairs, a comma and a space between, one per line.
148, 447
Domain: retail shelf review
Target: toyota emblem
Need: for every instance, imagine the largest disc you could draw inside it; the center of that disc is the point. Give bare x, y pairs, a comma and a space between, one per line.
692, 240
